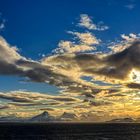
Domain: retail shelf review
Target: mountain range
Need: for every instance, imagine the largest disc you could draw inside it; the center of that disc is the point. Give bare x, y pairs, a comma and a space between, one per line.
46, 117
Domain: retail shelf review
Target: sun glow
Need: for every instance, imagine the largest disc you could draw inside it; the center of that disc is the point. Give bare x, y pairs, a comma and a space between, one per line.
135, 76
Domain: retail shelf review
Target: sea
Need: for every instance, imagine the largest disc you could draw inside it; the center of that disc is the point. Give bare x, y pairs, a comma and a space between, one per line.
69, 131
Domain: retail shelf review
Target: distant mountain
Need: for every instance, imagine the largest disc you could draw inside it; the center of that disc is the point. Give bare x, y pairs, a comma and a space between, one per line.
127, 120
138, 120
68, 117
11, 118
45, 116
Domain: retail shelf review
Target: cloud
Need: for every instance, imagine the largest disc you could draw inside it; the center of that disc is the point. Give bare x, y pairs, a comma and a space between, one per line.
86, 38
34, 97
8, 58
86, 22
131, 37
134, 85
8, 53
125, 43
2, 26
86, 42
70, 47
99, 103
2, 22
120, 64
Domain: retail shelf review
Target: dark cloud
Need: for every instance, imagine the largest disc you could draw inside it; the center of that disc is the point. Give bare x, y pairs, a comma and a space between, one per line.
120, 64
10, 69
116, 66
64, 99
4, 107
48, 109
99, 103
33, 104
134, 85
88, 95
116, 95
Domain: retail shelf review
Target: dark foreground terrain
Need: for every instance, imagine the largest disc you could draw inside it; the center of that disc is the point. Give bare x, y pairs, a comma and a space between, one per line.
69, 131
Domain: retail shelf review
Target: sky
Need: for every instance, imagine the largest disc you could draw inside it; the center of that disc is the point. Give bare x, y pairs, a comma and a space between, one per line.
63, 55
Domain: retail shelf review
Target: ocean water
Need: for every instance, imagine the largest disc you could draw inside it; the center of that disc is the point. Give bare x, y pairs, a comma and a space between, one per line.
69, 131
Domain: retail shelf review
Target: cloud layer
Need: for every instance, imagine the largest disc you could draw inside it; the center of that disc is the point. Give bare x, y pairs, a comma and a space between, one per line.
112, 77
94, 86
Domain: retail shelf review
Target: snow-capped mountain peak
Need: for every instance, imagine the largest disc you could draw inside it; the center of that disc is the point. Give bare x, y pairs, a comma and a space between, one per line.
45, 116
